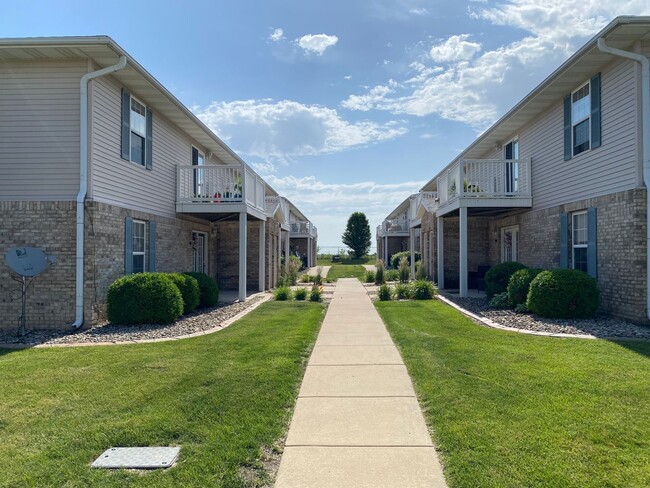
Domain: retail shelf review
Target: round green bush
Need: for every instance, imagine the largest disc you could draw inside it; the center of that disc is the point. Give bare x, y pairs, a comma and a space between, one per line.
282, 293
315, 295
497, 277
385, 293
563, 293
144, 298
395, 258
300, 294
423, 290
189, 288
208, 290
519, 284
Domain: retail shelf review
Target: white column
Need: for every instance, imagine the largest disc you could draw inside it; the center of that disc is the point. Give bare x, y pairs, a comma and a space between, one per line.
463, 251
279, 260
412, 250
242, 255
386, 263
262, 251
309, 252
287, 240
441, 251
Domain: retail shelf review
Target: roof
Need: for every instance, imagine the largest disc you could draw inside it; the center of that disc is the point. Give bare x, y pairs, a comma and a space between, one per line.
621, 33
104, 51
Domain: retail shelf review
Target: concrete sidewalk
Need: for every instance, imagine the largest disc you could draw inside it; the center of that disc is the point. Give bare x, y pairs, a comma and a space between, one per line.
357, 422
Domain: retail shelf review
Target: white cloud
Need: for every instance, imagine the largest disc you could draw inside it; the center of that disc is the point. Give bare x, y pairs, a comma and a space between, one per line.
475, 86
347, 77
277, 35
419, 11
316, 43
456, 48
279, 131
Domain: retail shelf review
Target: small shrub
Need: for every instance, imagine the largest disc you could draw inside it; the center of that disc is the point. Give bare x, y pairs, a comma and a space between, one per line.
500, 300
282, 293
370, 276
404, 270
519, 283
189, 288
300, 294
423, 290
385, 293
421, 271
563, 293
316, 294
397, 257
305, 278
318, 279
497, 277
208, 290
403, 291
522, 308
392, 275
144, 298
379, 275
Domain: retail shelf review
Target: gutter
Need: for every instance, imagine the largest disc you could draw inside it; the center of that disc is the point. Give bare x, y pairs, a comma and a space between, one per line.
83, 184
645, 136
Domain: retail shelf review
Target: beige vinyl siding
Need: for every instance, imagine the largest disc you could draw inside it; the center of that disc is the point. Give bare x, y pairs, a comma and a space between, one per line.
39, 129
124, 183
610, 168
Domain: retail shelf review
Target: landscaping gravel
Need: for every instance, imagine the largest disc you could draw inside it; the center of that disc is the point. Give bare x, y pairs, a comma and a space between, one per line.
599, 326
196, 322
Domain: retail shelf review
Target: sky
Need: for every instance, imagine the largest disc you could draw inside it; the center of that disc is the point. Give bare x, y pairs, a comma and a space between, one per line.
341, 105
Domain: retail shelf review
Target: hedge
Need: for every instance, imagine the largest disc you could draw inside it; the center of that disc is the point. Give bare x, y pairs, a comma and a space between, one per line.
563, 293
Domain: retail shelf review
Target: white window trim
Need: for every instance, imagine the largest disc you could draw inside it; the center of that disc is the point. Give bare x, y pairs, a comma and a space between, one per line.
576, 122
141, 134
573, 244
515, 248
145, 246
205, 249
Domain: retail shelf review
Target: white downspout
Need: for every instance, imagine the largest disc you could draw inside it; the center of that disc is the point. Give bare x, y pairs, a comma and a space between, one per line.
83, 183
645, 135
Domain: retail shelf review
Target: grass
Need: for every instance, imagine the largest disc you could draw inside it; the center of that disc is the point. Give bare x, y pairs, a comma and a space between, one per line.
346, 271
326, 260
222, 397
513, 410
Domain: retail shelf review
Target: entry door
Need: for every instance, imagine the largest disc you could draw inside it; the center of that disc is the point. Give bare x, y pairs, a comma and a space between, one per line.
200, 252
511, 152
509, 243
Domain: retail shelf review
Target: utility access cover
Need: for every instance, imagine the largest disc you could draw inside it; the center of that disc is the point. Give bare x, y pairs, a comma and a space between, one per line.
137, 457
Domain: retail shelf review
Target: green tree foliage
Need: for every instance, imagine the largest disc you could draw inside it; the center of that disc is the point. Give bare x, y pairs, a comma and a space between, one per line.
357, 234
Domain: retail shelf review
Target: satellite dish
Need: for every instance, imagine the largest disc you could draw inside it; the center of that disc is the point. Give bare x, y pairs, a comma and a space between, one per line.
26, 261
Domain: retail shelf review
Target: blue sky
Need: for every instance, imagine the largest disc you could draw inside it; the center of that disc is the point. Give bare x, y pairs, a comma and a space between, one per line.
342, 106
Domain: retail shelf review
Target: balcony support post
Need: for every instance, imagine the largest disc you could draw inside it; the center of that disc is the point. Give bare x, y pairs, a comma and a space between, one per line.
463, 251
412, 250
287, 242
243, 223
262, 251
440, 223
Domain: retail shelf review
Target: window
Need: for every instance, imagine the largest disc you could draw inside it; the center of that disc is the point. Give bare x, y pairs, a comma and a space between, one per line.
510, 153
580, 118
139, 246
509, 243
138, 122
579, 240
198, 160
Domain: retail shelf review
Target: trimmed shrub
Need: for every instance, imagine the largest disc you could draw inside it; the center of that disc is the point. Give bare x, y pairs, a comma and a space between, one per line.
144, 298
318, 279
404, 270
305, 278
379, 275
315, 295
370, 276
300, 294
423, 290
500, 300
189, 288
563, 293
282, 293
209, 292
392, 275
397, 257
385, 293
497, 277
519, 283
403, 291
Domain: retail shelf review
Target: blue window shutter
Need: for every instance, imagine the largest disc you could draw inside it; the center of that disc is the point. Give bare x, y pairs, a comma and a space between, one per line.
128, 245
595, 111
152, 246
592, 244
564, 240
126, 125
148, 148
568, 150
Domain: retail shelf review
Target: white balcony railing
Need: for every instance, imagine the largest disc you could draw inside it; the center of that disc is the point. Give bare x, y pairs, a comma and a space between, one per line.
390, 226
485, 178
428, 198
303, 228
211, 184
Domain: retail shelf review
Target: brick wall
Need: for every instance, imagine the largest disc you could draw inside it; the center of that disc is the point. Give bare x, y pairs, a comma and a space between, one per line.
228, 254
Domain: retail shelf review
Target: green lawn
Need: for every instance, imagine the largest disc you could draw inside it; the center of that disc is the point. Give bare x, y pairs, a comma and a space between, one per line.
346, 271
326, 260
222, 397
512, 410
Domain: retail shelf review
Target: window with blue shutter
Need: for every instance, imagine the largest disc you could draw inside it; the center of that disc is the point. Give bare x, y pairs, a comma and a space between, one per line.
128, 245
582, 119
592, 243
564, 240
152, 246
126, 125
137, 131
148, 153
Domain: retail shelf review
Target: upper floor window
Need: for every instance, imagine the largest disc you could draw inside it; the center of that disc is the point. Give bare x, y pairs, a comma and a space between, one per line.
137, 131
582, 119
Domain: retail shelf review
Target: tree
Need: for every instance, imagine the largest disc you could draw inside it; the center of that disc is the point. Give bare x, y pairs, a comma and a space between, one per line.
357, 234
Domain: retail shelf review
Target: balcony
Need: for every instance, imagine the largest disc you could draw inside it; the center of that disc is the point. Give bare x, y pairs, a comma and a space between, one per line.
393, 227
485, 183
213, 189
303, 229
426, 199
